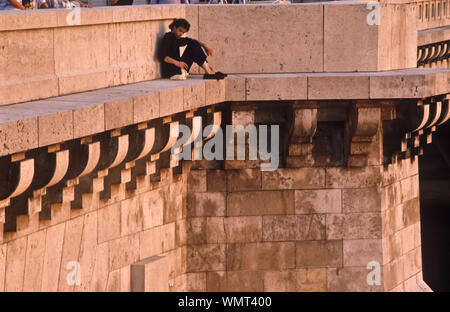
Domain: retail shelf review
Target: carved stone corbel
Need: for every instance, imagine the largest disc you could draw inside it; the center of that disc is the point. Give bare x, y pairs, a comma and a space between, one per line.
363, 124
303, 128
242, 114
431, 113
20, 174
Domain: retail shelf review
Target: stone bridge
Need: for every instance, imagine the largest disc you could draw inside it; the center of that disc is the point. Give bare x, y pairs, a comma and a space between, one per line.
91, 179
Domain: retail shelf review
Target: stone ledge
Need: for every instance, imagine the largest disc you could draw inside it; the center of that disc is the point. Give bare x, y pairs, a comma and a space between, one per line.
21, 20
53, 120
433, 35
407, 83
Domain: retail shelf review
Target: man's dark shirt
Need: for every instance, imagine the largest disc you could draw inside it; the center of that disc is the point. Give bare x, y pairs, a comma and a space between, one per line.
169, 46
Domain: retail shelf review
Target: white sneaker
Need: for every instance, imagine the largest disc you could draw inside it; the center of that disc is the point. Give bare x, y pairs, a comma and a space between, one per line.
181, 76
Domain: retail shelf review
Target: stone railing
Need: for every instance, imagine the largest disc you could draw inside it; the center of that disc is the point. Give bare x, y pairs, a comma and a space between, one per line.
433, 14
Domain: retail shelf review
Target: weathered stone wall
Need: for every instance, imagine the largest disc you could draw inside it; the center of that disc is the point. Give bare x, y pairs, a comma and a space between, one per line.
400, 210
106, 237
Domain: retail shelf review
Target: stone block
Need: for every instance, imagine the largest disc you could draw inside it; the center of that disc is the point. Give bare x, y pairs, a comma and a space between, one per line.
194, 96
3, 248
38, 80
393, 274
131, 216
152, 209
146, 107
361, 252
109, 219
397, 39
206, 204
390, 196
353, 226
197, 181
170, 101
398, 85
409, 188
168, 236
80, 41
101, 268
34, 261
318, 201
118, 113
123, 251
215, 230
277, 87
28, 21
411, 212
260, 203
17, 136
250, 281
150, 242
318, 254
338, 87
130, 44
202, 258
299, 178
302, 280
352, 279
15, 265
192, 17
113, 283
216, 181
175, 202
260, 256
235, 88
294, 227
70, 251
55, 128
350, 44
241, 229
52, 258
196, 231
86, 120
241, 49
191, 282
412, 262
352, 177
361, 200
88, 250
215, 91
417, 235
408, 237
243, 180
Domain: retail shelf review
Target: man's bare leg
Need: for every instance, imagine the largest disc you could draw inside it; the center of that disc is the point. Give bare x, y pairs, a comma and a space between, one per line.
208, 68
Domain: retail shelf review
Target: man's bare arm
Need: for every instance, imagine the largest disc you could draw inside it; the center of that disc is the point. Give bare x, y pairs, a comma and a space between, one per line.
16, 4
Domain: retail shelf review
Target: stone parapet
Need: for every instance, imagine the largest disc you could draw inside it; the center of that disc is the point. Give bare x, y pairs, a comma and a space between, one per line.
116, 46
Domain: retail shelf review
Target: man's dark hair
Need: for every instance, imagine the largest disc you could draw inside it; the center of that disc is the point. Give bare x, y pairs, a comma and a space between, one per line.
180, 22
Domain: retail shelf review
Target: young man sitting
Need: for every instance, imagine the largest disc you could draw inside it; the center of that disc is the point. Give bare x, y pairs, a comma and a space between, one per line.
175, 67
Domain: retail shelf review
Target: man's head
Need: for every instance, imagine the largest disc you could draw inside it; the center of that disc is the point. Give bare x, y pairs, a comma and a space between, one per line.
179, 27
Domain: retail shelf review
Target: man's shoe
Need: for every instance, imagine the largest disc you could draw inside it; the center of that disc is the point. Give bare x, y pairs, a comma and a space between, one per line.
222, 75
182, 76
217, 76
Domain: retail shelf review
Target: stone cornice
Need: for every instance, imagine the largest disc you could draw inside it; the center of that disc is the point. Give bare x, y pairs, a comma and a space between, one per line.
41, 123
